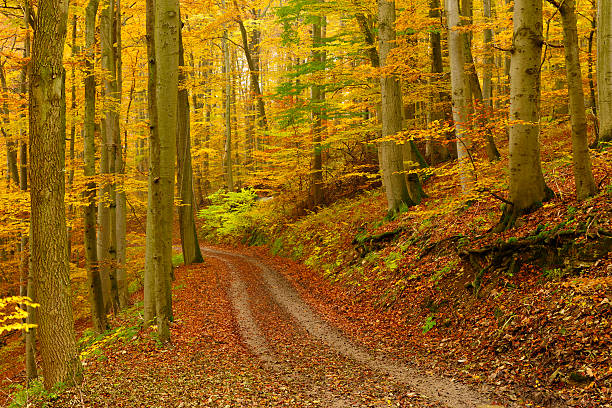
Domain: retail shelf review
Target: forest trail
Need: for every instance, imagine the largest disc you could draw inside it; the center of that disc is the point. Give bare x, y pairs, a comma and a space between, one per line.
244, 337
287, 336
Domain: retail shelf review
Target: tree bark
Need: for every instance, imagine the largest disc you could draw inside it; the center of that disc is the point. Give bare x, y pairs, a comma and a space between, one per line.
456, 49
74, 49
184, 172
253, 64
96, 296
26, 259
474, 95
120, 153
149, 311
435, 150
47, 152
527, 187
390, 153
489, 60
227, 104
581, 160
111, 136
317, 100
11, 146
167, 27
604, 68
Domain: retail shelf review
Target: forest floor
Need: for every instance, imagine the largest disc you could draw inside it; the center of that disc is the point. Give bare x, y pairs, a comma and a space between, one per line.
247, 335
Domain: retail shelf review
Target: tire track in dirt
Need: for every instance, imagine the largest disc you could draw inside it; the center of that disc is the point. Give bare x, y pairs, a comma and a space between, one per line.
257, 342
440, 389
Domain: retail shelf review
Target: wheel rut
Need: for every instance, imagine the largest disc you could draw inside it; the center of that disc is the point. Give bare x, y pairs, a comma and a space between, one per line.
287, 336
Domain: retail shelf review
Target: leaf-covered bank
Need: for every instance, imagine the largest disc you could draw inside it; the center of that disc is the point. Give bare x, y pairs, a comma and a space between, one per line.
527, 309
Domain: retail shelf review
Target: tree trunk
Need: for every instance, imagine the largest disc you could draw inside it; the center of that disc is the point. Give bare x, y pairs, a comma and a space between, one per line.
26, 259
458, 84
583, 174
475, 99
167, 27
111, 136
73, 52
149, 311
184, 172
317, 100
120, 153
11, 146
96, 296
49, 241
604, 68
253, 64
489, 60
435, 150
527, 187
390, 153
227, 155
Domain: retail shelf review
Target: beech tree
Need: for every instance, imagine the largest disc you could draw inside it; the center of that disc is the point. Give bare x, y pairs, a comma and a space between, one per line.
389, 152
96, 296
317, 100
60, 361
167, 27
604, 68
583, 174
184, 172
527, 186
460, 85
150, 279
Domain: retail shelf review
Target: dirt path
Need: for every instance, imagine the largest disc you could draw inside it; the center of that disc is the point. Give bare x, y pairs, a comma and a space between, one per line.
284, 332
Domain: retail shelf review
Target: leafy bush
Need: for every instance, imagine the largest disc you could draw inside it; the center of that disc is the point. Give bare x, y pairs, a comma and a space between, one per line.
35, 395
228, 214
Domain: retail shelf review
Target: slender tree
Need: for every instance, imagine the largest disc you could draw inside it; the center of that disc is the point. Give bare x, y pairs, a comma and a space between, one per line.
459, 86
227, 104
96, 296
184, 171
389, 152
167, 28
583, 174
153, 187
26, 260
317, 100
57, 341
120, 152
604, 68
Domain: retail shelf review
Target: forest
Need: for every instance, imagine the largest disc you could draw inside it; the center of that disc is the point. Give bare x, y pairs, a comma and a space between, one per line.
306, 203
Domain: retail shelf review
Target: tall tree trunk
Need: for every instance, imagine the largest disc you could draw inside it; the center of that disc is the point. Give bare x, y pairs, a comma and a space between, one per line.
96, 296
592, 97
527, 187
47, 152
120, 153
167, 28
435, 150
227, 104
26, 259
583, 174
489, 60
11, 146
111, 136
390, 153
475, 99
604, 68
74, 49
317, 100
456, 49
184, 172
149, 311
253, 63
